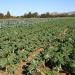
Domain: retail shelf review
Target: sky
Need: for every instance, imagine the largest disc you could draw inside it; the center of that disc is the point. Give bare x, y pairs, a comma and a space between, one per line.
19, 7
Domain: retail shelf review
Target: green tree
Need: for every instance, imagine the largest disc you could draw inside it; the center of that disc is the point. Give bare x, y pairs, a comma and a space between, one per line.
8, 15
1, 15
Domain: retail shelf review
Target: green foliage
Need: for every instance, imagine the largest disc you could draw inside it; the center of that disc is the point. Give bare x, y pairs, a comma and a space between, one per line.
3, 62
56, 36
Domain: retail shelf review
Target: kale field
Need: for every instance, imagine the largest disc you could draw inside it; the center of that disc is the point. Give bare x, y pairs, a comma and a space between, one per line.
44, 46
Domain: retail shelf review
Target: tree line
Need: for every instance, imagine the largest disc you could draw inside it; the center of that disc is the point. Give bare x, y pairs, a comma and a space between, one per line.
36, 15
7, 15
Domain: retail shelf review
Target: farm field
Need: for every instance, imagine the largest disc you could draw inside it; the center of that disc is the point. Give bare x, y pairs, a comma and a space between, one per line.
37, 46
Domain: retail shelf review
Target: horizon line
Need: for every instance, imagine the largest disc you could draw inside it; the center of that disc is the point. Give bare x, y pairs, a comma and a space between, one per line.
39, 13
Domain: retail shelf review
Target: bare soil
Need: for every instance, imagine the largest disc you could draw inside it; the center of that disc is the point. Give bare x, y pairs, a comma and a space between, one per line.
19, 69
22, 63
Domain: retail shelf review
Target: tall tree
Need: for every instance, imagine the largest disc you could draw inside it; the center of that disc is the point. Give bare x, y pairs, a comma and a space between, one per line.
8, 15
1, 15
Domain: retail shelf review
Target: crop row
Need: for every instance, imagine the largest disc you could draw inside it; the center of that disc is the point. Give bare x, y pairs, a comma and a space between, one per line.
56, 37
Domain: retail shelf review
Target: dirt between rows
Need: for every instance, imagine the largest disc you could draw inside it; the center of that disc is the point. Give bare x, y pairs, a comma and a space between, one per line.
22, 63
31, 56
19, 69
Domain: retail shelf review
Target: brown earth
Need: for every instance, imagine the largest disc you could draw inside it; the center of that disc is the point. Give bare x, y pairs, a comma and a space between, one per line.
22, 63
